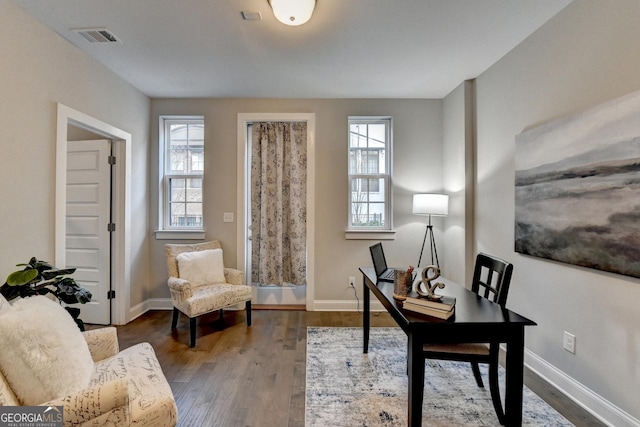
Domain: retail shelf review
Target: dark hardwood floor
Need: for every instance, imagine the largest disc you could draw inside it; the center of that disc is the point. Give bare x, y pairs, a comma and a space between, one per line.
239, 376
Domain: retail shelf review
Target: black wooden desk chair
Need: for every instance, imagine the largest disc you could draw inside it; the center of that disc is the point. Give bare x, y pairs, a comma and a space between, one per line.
491, 279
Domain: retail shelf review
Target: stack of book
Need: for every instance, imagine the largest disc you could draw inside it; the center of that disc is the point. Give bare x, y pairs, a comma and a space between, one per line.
442, 308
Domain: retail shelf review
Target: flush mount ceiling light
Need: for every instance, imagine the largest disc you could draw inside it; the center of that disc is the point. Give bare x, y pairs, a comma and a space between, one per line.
292, 12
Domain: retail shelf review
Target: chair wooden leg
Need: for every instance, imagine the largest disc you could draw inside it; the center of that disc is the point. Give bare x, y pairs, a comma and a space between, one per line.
248, 308
495, 391
476, 373
192, 332
174, 318
220, 322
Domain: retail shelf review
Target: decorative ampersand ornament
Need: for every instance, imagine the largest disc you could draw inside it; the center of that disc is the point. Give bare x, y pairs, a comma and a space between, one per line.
429, 274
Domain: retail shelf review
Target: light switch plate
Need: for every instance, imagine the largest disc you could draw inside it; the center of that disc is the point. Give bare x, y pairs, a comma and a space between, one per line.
228, 217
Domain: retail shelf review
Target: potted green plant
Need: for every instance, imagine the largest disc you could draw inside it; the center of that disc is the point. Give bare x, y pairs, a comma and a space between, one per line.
41, 278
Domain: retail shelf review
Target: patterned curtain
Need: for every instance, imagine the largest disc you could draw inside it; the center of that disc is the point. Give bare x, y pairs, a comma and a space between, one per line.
278, 203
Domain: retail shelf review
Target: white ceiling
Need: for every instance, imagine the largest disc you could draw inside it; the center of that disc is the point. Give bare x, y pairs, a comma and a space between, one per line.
349, 48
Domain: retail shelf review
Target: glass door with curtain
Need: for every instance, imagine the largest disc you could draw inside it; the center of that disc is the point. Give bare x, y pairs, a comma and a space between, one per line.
276, 201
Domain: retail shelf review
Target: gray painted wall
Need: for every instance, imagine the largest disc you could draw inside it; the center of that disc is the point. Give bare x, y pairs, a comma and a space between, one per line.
586, 55
417, 167
38, 70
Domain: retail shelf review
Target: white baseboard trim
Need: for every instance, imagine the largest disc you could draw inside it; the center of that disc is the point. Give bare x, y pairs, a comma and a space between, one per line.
343, 305
161, 304
318, 305
325, 305
595, 404
150, 304
322, 305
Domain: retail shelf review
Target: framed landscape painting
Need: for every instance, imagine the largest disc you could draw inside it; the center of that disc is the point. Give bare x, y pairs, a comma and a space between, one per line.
577, 188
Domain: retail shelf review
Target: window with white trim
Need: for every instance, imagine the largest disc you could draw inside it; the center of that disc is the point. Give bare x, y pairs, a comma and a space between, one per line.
182, 169
370, 173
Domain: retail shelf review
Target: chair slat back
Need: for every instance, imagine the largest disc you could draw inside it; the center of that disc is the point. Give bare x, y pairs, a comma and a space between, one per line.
491, 278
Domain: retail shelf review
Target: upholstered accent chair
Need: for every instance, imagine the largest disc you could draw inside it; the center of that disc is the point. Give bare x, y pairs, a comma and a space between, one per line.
46, 361
200, 284
491, 280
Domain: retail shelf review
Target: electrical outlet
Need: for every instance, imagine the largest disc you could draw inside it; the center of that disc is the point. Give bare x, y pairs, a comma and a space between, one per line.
569, 342
352, 282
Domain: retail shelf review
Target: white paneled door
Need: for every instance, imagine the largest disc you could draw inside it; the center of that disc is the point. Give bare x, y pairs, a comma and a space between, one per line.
88, 221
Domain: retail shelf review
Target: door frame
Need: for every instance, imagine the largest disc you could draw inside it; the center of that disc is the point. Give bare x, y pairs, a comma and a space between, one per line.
242, 179
121, 202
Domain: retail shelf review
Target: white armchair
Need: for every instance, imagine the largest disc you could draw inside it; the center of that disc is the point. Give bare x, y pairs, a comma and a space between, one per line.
127, 387
200, 284
109, 387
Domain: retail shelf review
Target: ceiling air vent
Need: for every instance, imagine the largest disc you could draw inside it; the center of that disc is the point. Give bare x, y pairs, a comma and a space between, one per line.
96, 35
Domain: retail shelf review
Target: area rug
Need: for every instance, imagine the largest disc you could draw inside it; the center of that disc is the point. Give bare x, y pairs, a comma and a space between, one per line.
348, 388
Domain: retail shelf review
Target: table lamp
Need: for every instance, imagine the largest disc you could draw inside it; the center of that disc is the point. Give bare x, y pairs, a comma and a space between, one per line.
430, 205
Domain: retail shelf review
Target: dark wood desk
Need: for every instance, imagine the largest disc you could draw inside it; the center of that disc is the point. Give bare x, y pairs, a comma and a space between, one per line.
476, 320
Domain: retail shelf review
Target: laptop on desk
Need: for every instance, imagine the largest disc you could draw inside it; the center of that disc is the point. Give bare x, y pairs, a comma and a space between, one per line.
383, 273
